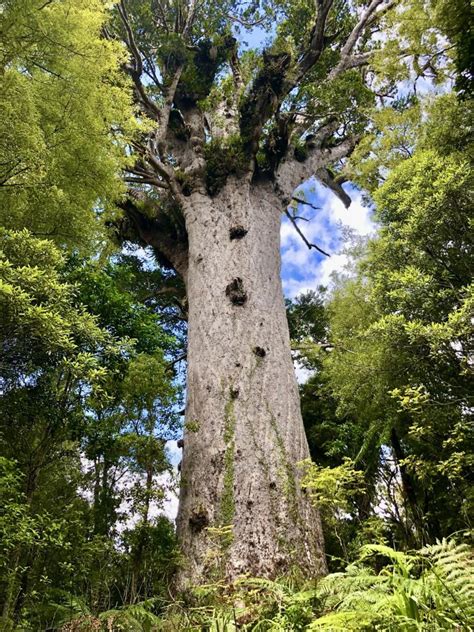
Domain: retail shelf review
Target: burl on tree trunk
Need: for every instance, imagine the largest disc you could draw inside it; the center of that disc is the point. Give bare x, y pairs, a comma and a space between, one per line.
242, 509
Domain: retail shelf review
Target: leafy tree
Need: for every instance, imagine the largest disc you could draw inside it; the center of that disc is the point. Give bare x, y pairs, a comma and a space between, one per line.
73, 333
211, 153
48, 345
345, 477
402, 333
65, 118
61, 366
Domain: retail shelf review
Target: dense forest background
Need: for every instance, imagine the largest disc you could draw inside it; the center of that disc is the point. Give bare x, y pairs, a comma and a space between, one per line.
93, 354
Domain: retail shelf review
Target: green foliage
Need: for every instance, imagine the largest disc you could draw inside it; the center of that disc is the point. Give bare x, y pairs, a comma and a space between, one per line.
66, 116
430, 589
452, 18
203, 66
42, 325
331, 488
87, 395
307, 317
88, 391
416, 45
401, 331
384, 589
76, 382
133, 618
394, 133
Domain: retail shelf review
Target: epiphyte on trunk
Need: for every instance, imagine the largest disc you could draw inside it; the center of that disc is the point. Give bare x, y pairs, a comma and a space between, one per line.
237, 232
236, 293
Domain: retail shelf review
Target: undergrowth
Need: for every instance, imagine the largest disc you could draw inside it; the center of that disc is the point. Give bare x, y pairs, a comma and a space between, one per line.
384, 589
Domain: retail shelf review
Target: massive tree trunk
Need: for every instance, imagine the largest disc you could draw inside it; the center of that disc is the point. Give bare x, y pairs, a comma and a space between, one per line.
242, 509
233, 139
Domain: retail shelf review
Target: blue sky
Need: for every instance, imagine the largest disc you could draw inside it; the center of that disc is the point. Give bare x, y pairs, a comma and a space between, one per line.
304, 269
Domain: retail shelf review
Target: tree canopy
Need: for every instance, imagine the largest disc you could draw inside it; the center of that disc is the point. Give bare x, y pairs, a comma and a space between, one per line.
66, 116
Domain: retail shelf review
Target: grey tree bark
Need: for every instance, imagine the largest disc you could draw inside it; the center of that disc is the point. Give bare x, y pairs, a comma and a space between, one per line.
207, 188
242, 509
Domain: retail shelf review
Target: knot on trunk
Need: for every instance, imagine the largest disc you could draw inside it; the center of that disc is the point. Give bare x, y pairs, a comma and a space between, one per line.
198, 519
260, 352
235, 291
237, 232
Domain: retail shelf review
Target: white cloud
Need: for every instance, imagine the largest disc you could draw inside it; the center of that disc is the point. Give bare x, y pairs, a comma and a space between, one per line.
304, 269
286, 233
357, 216
302, 373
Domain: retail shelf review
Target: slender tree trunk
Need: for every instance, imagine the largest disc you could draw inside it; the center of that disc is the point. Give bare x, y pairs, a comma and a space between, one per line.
414, 536
137, 560
241, 506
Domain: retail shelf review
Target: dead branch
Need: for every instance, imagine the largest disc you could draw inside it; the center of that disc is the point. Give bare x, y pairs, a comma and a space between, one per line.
298, 230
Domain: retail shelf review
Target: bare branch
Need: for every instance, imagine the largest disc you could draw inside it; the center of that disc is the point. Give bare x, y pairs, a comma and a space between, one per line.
149, 70
162, 19
298, 230
301, 201
355, 61
130, 38
163, 170
359, 28
146, 180
136, 70
50, 72
140, 170
244, 23
180, 358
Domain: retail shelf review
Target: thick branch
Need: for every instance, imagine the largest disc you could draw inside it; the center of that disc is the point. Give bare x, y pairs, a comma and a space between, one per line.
292, 173
268, 90
325, 176
161, 229
348, 60
277, 78
130, 38
136, 70
190, 18
316, 45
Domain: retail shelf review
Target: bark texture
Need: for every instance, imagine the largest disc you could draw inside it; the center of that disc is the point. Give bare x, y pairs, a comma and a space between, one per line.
208, 185
241, 507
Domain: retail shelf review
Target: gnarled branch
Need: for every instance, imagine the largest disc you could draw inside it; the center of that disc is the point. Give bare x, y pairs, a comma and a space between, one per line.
291, 173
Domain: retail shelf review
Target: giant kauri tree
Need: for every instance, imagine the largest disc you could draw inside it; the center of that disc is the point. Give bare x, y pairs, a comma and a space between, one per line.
232, 132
